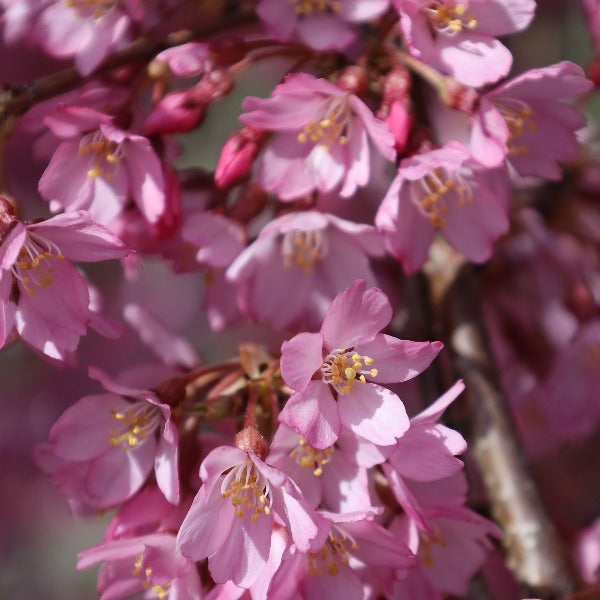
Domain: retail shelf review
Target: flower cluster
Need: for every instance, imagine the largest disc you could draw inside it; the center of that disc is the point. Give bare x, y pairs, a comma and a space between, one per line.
378, 148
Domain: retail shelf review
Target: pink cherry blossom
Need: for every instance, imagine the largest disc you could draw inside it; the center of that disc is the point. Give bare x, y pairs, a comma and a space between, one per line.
89, 31
100, 167
444, 190
114, 440
459, 37
325, 25
311, 256
335, 564
527, 121
42, 295
331, 372
148, 563
232, 517
320, 141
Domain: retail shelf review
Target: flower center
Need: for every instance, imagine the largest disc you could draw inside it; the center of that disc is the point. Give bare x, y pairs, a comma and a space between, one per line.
342, 370
249, 491
304, 8
304, 249
135, 424
518, 117
106, 154
162, 590
330, 130
90, 8
434, 190
34, 267
311, 458
448, 19
333, 554
426, 544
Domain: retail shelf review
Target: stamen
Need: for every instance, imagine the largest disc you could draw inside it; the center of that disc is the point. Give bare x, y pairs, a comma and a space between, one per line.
135, 424
332, 128
107, 154
249, 490
426, 543
450, 20
342, 370
308, 7
91, 8
333, 553
311, 458
434, 191
518, 117
304, 249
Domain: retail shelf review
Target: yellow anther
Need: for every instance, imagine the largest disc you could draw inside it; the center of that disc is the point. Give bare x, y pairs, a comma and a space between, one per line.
362, 379
239, 512
460, 9
374, 372
95, 172
368, 360
350, 373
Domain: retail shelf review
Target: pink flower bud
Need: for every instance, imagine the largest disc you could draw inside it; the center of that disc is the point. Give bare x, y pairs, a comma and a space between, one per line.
400, 120
237, 156
176, 113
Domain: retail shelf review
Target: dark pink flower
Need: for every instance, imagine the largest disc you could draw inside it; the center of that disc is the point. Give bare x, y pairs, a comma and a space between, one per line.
527, 121
331, 372
42, 295
232, 518
323, 25
459, 37
321, 138
444, 190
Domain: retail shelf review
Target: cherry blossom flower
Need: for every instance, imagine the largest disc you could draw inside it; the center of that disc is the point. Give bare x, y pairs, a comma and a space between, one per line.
114, 440
312, 256
232, 517
87, 30
527, 121
322, 25
444, 190
459, 37
331, 372
321, 138
149, 563
99, 167
334, 566
42, 294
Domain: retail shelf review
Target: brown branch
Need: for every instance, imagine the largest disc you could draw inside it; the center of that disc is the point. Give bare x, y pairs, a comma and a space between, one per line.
535, 552
15, 101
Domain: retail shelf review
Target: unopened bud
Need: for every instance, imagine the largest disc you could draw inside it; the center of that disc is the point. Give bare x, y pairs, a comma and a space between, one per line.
249, 440
396, 85
176, 113
237, 156
8, 217
400, 120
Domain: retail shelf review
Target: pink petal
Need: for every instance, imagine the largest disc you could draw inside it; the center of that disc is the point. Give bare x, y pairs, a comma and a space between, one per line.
355, 316
166, 469
398, 360
301, 357
313, 413
373, 412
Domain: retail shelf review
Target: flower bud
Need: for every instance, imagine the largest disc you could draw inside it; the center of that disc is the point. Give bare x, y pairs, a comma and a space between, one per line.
353, 80
176, 113
249, 440
237, 156
7, 216
400, 120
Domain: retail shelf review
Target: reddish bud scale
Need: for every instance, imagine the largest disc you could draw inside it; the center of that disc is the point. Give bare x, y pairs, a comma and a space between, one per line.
353, 79
7, 216
249, 440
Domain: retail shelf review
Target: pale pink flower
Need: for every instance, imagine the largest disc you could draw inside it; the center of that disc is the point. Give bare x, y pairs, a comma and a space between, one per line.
452, 552
444, 190
232, 518
426, 453
150, 564
326, 476
527, 121
186, 60
114, 440
100, 168
331, 372
321, 138
323, 25
349, 546
89, 31
42, 295
290, 274
458, 37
